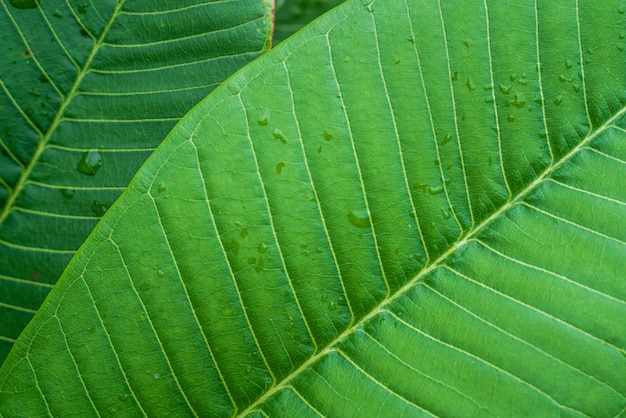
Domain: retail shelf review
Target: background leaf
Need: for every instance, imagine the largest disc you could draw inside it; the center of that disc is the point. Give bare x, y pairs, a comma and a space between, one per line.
87, 91
292, 15
411, 208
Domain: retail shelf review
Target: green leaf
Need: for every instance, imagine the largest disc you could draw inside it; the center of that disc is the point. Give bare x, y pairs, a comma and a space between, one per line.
410, 208
87, 91
292, 15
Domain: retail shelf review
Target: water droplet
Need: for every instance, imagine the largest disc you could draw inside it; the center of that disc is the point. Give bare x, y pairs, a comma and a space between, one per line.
324, 297
510, 118
620, 47
162, 187
156, 375
144, 286
467, 43
513, 76
263, 122
82, 9
280, 166
522, 81
518, 101
435, 189
278, 134
248, 369
332, 306
160, 273
622, 35
359, 218
67, 193
505, 88
446, 139
90, 163
488, 87
57, 14
123, 397
558, 99
455, 76
327, 136
490, 99
244, 233
251, 260
24, 4
437, 162
234, 246
576, 87
564, 78
259, 266
262, 248
543, 134
620, 11
470, 84
320, 149
289, 326
411, 39
98, 208
445, 212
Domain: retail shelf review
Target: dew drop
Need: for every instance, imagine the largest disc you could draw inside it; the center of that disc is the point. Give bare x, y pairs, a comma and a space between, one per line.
488, 87
123, 397
144, 286
455, 76
278, 134
518, 101
359, 218
470, 84
82, 9
563, 78
162, 187
543, 134
505, 88
289, 326
327, 136
489, 99
67, 193
324, 297
98, 208
156, 375
446, 139
160, 273
280, 166
24, 4
620, 11
90, 163
320, 149
259, 265
558, 99
576, 87
234, 246
620, 47
263, 122
332, 306
251, 260
467, 43
248, 369
445, 212
262, 248
244, 233
57, 14
435, 189
522, 81
510, 118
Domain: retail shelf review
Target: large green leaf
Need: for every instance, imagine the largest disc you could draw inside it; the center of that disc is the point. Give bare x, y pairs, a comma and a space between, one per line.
410, 208
87, 91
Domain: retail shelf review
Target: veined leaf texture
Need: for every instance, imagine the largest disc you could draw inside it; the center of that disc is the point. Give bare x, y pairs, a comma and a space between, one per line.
411, 208
87, 91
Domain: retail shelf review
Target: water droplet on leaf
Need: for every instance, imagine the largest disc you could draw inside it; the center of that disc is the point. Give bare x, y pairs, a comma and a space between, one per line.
278, 134
359, 218
435, 189
67, 193
144, 286
280, 166
90, 163
98, 208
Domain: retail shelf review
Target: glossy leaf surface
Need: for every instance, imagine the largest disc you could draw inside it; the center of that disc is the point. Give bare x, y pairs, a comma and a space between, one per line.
407, 209
87, 91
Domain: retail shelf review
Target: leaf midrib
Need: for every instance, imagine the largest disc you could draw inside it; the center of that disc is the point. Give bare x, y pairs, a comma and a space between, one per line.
436, 264
43, 142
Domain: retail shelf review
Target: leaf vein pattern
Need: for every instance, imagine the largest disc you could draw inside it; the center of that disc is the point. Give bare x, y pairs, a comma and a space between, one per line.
316, 195
145, 311
358, 168
541, 94
273, 228
521, 340
479, 359
380, 384
531, 308
456, 120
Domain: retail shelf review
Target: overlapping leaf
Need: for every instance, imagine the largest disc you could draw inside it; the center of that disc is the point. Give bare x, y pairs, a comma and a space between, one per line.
87, 91
411, 208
